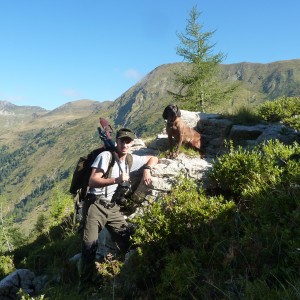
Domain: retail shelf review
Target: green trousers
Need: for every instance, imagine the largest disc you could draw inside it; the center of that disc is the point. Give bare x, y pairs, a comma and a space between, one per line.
98, 216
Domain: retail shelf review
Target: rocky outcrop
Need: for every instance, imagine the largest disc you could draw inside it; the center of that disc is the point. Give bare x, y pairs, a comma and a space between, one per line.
215, 130
20, 279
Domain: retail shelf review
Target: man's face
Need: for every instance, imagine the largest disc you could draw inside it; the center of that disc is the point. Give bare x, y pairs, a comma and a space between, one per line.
124, 145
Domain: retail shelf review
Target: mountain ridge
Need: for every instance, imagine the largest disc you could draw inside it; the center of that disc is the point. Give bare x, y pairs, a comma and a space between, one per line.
286, 63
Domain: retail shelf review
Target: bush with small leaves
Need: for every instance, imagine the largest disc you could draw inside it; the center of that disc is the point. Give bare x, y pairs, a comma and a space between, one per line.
284, 109
244, 173
187, 227
6, 265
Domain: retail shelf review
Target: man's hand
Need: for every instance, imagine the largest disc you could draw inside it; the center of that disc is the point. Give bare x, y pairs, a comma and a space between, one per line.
147, 179
123, 177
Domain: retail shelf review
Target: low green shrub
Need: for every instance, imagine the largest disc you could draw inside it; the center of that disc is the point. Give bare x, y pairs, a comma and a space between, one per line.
265, 184
6, 265
181, 238
61, 205
285, 109
25, 296
245, 173
257, 288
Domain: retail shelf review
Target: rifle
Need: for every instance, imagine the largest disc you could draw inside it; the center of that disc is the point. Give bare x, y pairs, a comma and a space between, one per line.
105, 134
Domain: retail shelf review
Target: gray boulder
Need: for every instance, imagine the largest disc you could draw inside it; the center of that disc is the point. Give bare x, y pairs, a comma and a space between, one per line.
20, 279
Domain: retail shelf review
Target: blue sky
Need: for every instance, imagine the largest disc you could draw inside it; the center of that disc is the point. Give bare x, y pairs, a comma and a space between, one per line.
56, 51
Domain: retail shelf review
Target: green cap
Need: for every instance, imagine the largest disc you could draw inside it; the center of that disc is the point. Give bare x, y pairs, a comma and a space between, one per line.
125, 133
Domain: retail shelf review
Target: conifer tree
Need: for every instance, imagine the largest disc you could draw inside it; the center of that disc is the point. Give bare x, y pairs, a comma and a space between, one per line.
10, 236
199, 88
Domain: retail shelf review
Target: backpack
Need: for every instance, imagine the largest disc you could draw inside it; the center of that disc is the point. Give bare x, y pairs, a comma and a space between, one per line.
83, 170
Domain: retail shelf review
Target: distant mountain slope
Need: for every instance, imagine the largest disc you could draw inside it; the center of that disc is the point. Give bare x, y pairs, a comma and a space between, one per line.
50, 119
78, 108
12, 115
36, 117
67, 112
260, 82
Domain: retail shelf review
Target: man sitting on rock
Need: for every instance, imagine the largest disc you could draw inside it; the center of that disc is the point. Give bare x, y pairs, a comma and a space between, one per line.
104, 199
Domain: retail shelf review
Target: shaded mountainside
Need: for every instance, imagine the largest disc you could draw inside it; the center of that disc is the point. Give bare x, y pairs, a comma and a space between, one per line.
44, 150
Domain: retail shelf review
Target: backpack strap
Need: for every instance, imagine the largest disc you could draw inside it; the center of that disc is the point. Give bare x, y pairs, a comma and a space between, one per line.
110, 165
109, 169
129, 160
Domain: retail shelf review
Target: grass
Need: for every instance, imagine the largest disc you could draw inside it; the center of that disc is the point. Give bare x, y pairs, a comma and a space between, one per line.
244, 115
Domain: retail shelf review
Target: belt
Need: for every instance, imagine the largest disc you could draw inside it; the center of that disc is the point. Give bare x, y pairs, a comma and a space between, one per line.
100, 200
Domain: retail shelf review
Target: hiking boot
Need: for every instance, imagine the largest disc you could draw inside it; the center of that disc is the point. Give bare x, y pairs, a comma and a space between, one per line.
87, 288
86, 274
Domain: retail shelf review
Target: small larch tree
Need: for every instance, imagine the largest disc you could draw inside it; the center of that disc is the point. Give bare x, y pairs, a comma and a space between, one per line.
199, 88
